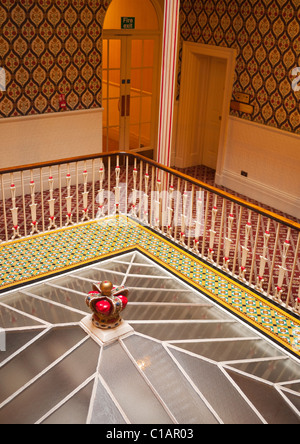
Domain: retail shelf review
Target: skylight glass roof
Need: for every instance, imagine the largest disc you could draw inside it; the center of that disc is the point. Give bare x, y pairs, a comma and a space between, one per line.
188, 361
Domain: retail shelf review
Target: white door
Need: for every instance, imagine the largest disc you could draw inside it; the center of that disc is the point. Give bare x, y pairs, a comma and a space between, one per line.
213, 112
130, 78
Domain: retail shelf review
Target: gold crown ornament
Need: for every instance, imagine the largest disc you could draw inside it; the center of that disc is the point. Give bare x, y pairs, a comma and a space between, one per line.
107, 302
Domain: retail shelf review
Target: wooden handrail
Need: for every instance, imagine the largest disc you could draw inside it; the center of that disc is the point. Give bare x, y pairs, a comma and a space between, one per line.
283, 220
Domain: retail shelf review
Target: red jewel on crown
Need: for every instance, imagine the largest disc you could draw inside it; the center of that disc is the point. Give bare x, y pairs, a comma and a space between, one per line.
107, 303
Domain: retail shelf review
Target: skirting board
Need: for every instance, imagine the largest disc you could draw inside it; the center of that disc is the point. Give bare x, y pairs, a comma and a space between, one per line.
274, 198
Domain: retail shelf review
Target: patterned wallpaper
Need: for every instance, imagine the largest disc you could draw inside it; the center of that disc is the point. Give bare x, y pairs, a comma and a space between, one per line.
48, 48
266, 35
53, 47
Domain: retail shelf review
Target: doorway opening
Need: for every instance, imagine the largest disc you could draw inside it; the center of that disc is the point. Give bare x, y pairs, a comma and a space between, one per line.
206, 89
130, 76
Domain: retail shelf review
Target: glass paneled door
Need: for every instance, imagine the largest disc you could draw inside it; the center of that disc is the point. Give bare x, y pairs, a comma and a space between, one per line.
130, 73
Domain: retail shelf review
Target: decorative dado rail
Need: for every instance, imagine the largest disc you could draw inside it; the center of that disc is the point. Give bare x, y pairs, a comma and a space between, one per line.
249, 243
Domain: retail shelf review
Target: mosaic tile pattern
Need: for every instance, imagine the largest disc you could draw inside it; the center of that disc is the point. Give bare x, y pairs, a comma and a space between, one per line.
44, 255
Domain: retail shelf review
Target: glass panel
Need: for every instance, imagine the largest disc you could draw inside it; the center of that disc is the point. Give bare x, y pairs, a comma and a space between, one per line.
145, 134
105, 106
148, 53
274, 371
113, 139
147, 270
140, 259
293, 386
105, 140
115, 54
112, 266
126, 257
137, 281
53, 386
146, 109
148, 80
231, 350
266, 399
15, 340
104, 409
147, 295
97, 275
85, 286
161, 312
114, 112
63, 296
184, 331
75, 410
217, 390
13, 319
137, 53
134, 139
135, 110
136, 82
43, 310
130, 389
171, 385
114, 83
31, 361
104, 54
104, 85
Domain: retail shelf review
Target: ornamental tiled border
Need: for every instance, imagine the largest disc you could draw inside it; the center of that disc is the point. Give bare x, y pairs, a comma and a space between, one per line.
48, 254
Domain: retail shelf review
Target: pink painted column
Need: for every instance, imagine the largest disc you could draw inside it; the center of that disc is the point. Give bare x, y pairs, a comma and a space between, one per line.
168, 81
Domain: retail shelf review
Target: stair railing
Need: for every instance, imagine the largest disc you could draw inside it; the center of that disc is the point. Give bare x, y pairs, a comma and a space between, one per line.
255, 246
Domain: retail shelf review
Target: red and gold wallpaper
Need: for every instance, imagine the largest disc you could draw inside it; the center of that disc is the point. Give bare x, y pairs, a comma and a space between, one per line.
48, 48
266, 35
53, 47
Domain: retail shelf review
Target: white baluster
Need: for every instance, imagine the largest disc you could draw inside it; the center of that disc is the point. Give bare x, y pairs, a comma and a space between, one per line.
33, 206
170, 211
146, 197
263, 259
51, 202
133, 211
117, 187
282, 268
69, 199
198, 224
245, 249
100, 212
14, 210
157, 205
183, 218
212, 231
228, 241
85, 194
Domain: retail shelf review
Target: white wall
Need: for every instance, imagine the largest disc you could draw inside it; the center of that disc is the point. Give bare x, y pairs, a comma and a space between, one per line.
47, 137
271, 158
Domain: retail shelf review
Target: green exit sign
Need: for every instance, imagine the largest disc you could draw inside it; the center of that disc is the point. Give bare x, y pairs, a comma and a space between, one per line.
127, 22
